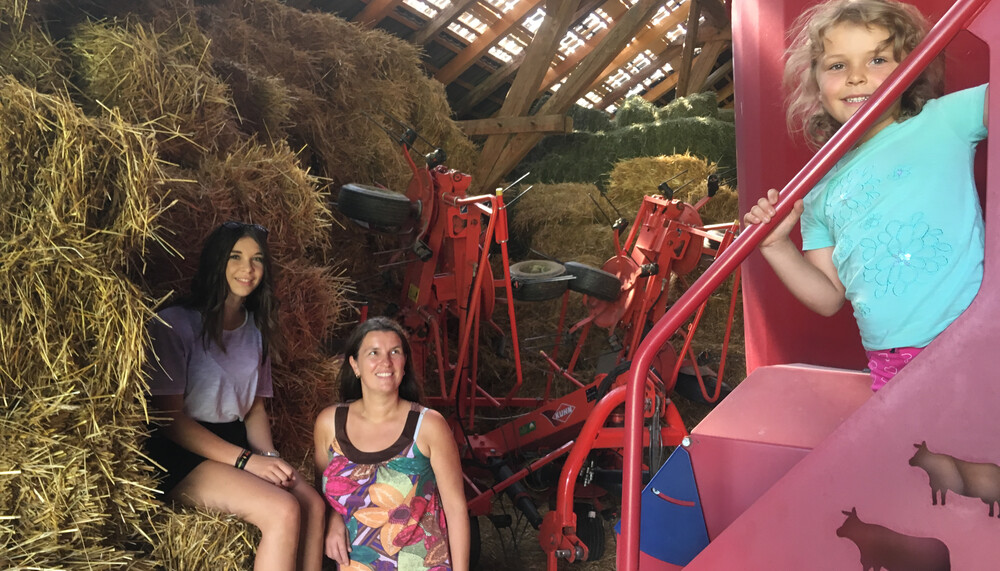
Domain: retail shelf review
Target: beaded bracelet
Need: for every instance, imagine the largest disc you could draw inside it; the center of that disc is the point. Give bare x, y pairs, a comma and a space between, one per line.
241, 462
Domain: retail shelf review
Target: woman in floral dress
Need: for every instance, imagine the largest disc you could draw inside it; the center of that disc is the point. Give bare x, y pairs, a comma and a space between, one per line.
391, 472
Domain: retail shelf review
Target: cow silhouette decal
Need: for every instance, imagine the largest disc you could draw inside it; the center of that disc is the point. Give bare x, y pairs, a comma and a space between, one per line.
971, 479
883, 548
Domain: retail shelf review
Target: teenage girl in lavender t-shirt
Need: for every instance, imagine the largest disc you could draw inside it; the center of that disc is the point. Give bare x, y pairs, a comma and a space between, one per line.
209, 370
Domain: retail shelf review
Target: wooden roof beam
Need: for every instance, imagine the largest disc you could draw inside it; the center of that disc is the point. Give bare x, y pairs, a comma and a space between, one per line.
374, 12
615, 10
716, 13
444, 17
503, 75
687, 55
662, 59
702, 67
508, 125
574, 88
522, 91
482, 44
643, 41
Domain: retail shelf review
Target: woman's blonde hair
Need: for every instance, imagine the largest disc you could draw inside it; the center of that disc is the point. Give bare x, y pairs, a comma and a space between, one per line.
906, 26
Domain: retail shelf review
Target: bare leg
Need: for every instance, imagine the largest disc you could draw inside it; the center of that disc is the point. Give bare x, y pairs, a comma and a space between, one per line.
313, 514
272, 509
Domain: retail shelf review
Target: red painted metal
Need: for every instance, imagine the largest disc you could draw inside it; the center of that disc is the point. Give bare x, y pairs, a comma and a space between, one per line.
950, 24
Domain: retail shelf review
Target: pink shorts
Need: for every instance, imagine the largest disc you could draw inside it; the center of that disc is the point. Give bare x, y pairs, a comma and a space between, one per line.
885, 363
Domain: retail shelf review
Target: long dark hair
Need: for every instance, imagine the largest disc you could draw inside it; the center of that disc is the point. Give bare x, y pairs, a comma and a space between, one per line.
209, 287
350, 384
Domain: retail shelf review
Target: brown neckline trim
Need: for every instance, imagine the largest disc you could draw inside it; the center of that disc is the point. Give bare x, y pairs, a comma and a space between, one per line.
359, 457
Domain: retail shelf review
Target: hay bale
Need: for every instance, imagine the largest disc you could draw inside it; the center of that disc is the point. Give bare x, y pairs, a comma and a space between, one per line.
704, 104
263, 103
192, 540
632, 179
162, 79
633, 111
590, 120
77, 202
30, 55
588, 157
303, 390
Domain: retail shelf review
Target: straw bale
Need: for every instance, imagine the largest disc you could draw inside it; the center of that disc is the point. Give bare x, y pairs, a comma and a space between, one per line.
548, 204
302, 390
77, 206
191, 539
632, 179
312, 303
263, 103
13, 12
163, 79
31, 56
341, 77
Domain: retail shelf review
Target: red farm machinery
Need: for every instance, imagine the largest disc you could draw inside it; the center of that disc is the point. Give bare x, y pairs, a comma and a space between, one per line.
801, 466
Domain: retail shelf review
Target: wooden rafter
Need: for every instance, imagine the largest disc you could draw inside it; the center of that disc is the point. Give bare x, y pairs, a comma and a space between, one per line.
644, 40
522, 91
375, 11
576, 85
431, 29
503, 75
615, 10
716, 13
508, 125
666, 56
669, 82
702, 67
687, 55
482, 44
720, 72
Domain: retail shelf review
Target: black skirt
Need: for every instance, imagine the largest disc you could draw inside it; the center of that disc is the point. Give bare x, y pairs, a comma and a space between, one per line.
177, 462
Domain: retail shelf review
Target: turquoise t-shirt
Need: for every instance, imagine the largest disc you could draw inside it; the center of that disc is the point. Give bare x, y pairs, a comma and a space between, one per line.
902, 214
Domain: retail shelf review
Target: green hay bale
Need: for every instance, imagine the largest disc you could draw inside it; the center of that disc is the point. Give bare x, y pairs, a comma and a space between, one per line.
163, 79
590, 120
633, 111
728, 115
587, 157
702, 104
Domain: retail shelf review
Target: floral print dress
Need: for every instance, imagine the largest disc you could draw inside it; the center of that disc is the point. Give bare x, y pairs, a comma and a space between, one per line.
389, 501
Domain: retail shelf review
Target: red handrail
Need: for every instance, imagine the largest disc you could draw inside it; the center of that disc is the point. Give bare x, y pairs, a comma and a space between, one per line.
954, 20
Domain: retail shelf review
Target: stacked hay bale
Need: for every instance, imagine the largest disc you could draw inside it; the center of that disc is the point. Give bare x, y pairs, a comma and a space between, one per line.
77, 205
189, 116
639, 129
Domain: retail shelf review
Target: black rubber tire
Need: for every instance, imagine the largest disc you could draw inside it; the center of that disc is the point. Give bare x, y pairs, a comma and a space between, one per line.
593, 282
537, 280
590, 529
529, 270
376, 206
475, 542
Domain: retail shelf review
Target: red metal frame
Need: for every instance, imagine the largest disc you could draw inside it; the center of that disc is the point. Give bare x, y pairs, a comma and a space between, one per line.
450, 281
953, 21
